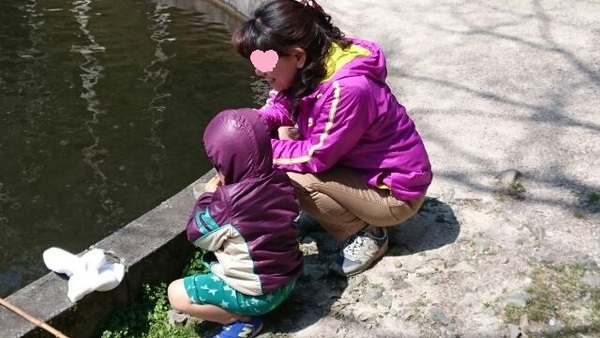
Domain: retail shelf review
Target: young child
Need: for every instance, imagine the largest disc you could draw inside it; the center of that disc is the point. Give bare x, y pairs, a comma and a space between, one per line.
354, 155
244, 221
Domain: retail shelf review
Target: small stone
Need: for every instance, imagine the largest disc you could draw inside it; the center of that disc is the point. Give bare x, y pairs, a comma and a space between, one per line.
363, 315
439, 316
514, 331
555, 325
463, 267
452, 329
373, 294
410, 314
483, 248
400, 285
489, 311
385, 302
519, 300
524, 321
592, 280
508, 177
356, 281
389, 275
426, 270
447, 196
412, 263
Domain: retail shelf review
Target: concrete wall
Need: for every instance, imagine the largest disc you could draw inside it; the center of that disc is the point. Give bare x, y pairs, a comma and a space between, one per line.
153, 247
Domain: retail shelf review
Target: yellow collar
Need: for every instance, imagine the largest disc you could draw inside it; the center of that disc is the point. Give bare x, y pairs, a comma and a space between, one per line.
338, 58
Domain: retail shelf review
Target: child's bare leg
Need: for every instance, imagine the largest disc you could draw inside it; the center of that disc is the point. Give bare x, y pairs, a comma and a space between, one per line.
181, 302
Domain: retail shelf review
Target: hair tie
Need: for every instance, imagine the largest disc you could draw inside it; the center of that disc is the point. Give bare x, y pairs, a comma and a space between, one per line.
310, 3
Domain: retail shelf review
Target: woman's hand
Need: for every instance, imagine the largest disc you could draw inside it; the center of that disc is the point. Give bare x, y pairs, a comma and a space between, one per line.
212, 185
288, 133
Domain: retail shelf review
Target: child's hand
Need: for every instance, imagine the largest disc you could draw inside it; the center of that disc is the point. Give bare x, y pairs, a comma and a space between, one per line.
212, 185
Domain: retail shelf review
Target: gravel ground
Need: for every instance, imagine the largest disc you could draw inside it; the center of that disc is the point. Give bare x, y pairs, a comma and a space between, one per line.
506, 97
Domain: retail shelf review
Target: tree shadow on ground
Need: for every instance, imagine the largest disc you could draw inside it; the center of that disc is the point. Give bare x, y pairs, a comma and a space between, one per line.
317, 290
310, 302
434, 226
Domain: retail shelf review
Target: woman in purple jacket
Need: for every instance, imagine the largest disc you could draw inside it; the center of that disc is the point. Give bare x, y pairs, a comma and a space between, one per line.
352, 152
244, 221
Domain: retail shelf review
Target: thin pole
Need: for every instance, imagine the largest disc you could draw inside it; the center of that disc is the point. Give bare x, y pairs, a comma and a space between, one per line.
31, 318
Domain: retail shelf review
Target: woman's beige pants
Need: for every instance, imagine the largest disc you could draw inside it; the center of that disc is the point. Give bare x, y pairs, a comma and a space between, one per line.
343, 203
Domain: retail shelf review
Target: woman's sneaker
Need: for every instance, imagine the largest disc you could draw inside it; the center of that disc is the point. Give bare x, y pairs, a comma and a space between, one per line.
361, 251
239, 329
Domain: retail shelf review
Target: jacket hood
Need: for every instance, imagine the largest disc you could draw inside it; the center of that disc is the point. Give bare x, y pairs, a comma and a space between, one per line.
361, 58
238, 144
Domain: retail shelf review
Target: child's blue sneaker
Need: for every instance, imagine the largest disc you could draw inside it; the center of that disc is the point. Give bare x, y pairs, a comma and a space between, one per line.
239, 329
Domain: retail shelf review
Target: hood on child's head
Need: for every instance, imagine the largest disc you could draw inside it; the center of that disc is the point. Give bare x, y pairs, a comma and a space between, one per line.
238, 144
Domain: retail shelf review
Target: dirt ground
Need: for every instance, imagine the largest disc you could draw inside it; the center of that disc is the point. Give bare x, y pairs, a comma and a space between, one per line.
454, 270
497, 89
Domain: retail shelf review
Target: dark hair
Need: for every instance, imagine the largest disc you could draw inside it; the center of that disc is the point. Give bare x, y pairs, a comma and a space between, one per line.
281, 25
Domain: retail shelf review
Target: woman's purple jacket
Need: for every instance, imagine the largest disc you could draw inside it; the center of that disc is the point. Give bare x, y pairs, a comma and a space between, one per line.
248, 222
353, 119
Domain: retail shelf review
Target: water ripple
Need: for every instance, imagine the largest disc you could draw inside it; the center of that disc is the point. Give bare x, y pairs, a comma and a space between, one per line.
92, 72
154, 72
102, 106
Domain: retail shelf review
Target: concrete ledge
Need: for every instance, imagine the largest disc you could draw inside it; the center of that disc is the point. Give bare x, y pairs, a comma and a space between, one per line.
153, 248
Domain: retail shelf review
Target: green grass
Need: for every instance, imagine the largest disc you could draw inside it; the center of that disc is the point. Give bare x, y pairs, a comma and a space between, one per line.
195, 265
513, 313
589, 204
515, 191
559, 293
594, 198
148, 316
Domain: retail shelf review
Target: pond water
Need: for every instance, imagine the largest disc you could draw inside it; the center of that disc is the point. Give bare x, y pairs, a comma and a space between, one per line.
102, 108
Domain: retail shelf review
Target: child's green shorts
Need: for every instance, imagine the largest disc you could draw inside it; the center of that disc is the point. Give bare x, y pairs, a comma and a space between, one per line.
210, 289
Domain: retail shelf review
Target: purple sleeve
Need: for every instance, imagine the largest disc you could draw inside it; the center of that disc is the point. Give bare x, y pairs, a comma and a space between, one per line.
339, 125
276, 111
193, 229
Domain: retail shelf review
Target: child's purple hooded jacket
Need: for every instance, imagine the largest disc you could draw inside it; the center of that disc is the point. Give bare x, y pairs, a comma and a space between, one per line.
353, 119
248, 222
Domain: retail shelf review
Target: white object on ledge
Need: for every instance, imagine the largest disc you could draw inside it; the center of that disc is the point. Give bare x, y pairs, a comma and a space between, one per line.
87, 273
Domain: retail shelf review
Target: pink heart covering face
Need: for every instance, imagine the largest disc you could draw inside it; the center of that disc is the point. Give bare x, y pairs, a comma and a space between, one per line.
264, 61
